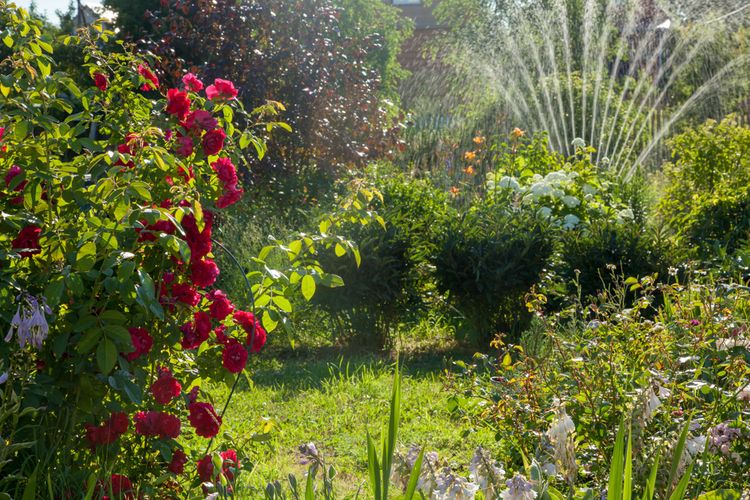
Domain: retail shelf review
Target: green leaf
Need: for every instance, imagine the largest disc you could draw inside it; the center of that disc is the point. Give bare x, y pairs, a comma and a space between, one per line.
282, 303
29, 493
679, 491
411, 486
627, 492
648, 494
614, 490
269, 323
721, 495
308, 287
106, 356
339, 250
86, 257
374, 468
89, 339
676, 458
8, 41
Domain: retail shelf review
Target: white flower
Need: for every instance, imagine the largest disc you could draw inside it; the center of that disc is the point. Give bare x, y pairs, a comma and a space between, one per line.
744, 394
652, 404
30, 321
509, 182
561, 435
695, 445
589, 189
545, 212
451, 486
556, 177
570, 221
518, 489
571, 201
540, 189
578, 142
625, 214
486, 472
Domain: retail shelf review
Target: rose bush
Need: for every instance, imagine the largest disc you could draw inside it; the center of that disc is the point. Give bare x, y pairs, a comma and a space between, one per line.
107, 254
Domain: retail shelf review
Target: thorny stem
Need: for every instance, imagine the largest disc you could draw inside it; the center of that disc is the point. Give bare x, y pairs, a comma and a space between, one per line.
251, 301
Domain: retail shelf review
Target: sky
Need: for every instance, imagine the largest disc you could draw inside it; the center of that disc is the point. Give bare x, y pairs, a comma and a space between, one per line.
50, 6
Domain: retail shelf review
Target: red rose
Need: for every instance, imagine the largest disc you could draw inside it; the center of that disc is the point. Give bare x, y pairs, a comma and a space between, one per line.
142, 343
100, 81
165, 388
146, 73
185, 293
204, 419
204, 272
225, 170
206, 469
150, 232
223, 89
221, 336
14, 172
199, 241
122, 488
213, 141
197, 331
230, 464
155, 423
177, 464
185, 147
28, 241
230, 196
256, 334
178, 103
234, 357
119, 422
108, 432
200, 119
192, 82
220, 306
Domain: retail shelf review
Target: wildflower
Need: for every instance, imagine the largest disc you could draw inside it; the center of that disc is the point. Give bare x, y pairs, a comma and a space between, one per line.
720, 438
517, 133
486, 472
30, 321
744, 394
562, 436
469, 170
695, 445
454, 191
470, 155
578, 142
309, 453
451, 486
478, 139
518, 489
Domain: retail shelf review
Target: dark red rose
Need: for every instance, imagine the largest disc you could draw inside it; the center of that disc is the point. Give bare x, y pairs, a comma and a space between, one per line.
150, 232
200, 119
192, 82
14, 172
142, 343
177, 464
206, 469
100, 80
221, 335
165, 388
145, 72
220, 306
156, 423
222, 89
28, 241
185, 293
234, 357
119, 422
225, 171
185, 147
197, 331
122, 488
204, 419
213, 141
231, 463
199, 241
256, 334
169, 426
204, 272
230, 196
178, 103
108, 432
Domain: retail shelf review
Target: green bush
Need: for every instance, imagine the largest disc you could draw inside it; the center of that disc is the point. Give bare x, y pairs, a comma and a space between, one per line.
591, 258
386, 286
488, 260
706, 201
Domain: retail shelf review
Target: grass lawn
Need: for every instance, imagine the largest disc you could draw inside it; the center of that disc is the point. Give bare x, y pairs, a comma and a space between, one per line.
331, 397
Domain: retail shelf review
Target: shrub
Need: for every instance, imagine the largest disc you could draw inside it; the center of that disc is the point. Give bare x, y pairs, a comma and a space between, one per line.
593, 258
488, 259
387, 286
706, 200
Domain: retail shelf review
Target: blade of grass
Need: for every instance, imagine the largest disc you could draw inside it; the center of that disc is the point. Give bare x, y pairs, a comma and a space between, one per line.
411, 486
627, 492
651, 484
373, 467
614, 490
679, 491
390, 445
678, 454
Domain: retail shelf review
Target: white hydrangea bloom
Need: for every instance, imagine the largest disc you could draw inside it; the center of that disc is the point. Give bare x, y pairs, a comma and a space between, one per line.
570, 221
510, 182
545, 212
571, 201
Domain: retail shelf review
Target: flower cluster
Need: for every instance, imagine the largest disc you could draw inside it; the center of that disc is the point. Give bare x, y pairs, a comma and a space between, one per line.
108, 432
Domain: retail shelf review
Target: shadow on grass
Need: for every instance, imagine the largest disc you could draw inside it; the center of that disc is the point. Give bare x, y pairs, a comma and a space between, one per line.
309, 368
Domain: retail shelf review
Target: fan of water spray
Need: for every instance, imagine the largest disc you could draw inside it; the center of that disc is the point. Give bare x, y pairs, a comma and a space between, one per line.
620, 74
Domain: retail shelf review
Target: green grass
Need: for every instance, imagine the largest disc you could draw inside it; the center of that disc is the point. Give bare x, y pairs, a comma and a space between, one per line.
331, 398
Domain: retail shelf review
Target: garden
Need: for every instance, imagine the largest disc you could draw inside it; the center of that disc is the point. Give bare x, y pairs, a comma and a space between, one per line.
340, 249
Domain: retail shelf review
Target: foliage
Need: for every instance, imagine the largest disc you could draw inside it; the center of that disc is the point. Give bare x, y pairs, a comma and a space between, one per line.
680, 380
331, 64
111, 192
488, 259
388, 286
593, 257
706, 200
